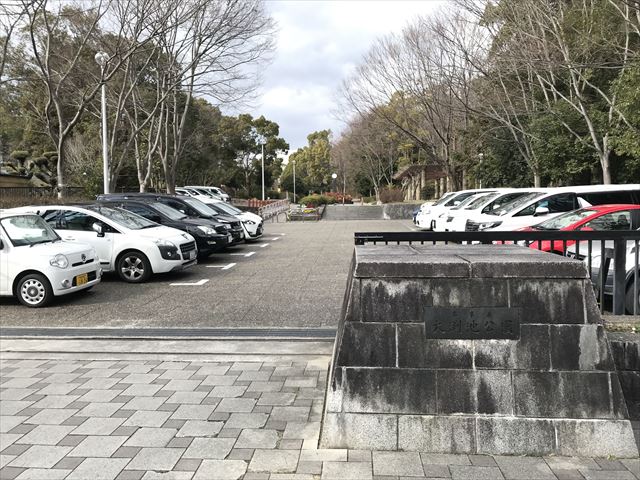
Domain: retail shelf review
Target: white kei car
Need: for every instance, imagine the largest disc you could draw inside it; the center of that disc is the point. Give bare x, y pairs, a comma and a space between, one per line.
36, 265
126, 243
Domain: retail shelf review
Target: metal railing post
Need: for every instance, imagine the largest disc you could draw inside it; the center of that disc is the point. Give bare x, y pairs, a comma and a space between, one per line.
619, 274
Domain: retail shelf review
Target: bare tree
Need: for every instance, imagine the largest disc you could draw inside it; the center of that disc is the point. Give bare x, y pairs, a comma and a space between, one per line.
421, 86
213, 52
62, 39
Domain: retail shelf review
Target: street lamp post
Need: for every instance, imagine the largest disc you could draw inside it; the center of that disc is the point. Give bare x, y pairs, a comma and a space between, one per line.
101, 59
294, 181
333, 181
263, 170
481, 157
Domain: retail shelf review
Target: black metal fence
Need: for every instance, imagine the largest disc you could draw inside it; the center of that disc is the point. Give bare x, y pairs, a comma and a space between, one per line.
611, 256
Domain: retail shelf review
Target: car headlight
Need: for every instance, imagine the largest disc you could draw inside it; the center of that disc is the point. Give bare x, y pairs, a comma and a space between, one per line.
168, 250
60, 261
488, 225
207, 230
249, 222
164, 243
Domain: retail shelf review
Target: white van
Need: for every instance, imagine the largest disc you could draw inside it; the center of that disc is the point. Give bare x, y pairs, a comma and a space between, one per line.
36, 265
537, 207
126, 243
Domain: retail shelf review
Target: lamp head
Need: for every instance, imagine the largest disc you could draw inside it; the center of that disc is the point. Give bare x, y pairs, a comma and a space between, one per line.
102, 58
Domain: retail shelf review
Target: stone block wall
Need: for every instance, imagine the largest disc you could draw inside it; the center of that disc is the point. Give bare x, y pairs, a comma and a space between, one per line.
626, 354
473, 349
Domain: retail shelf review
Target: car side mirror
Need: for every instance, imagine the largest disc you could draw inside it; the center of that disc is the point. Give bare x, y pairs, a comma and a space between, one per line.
98, 228
541, 211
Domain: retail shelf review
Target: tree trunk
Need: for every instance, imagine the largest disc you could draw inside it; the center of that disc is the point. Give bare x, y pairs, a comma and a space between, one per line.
61, 149
606, 167
537, 181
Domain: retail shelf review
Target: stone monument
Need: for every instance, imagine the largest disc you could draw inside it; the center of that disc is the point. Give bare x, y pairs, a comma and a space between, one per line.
473, 349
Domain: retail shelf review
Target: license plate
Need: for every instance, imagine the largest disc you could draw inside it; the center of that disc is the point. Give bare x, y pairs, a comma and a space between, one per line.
82, 279
192, 254
229, 238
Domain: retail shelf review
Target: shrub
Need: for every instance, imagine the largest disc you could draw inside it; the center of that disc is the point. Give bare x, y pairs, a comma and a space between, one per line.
339, 197
315, 200
391, 195
20, 155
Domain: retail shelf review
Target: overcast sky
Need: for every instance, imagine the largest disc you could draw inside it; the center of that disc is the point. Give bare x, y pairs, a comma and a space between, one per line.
319, 43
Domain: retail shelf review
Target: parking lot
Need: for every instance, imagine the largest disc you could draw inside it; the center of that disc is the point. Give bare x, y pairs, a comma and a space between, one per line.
294, 276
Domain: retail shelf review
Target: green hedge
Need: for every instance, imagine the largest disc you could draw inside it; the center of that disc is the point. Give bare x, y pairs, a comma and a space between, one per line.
315, 200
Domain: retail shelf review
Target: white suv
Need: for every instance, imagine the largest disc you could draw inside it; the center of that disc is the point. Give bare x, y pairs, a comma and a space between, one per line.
36, 265
126, 243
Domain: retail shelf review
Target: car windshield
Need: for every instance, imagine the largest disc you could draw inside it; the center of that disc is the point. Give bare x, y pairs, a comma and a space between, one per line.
517, 203
202, 191
456, 199
499, 201
444, 198
565, 220
198, 206
477, 202
167, 211
123, 217
479, 198
28, 230
226, 208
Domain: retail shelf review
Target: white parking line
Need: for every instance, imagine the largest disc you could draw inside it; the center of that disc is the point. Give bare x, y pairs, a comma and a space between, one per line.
198, 283
275, 238
243, 254
264, 245
223, 267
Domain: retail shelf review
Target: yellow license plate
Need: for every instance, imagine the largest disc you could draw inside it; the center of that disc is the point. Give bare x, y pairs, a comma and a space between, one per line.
82, 279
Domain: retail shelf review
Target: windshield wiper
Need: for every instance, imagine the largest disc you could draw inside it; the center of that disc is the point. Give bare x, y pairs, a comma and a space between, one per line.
39, 242
148, 226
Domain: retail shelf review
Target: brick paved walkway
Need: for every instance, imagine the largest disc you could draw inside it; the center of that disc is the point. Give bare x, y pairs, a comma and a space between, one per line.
134, 418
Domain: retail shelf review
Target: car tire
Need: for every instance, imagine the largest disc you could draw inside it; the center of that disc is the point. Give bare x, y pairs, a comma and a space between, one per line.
628, 299
34, 290
133, 267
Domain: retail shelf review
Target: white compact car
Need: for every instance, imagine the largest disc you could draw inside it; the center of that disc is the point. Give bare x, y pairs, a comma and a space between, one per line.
214, 192
481, 204
36, 265
252, 224
126, 243
429, 216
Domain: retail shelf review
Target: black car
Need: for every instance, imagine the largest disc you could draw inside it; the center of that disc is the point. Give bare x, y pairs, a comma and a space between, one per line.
211, 236
187, 205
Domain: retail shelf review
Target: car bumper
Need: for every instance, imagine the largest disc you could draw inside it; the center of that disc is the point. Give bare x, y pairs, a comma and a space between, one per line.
184, 265
253, 232
213, 243
66, 281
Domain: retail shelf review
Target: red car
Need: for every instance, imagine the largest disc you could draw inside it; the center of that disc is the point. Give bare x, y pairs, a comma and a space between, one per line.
598, 217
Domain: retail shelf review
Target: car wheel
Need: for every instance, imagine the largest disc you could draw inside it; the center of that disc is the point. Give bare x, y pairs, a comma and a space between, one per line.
628, 299
34, 290
134, 267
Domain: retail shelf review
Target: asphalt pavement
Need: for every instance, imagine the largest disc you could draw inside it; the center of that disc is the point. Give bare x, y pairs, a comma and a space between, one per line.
294, 277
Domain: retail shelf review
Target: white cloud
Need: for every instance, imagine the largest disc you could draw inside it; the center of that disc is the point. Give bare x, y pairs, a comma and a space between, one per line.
319, 43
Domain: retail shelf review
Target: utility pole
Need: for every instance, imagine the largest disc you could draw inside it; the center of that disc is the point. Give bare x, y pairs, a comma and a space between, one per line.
294, 181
